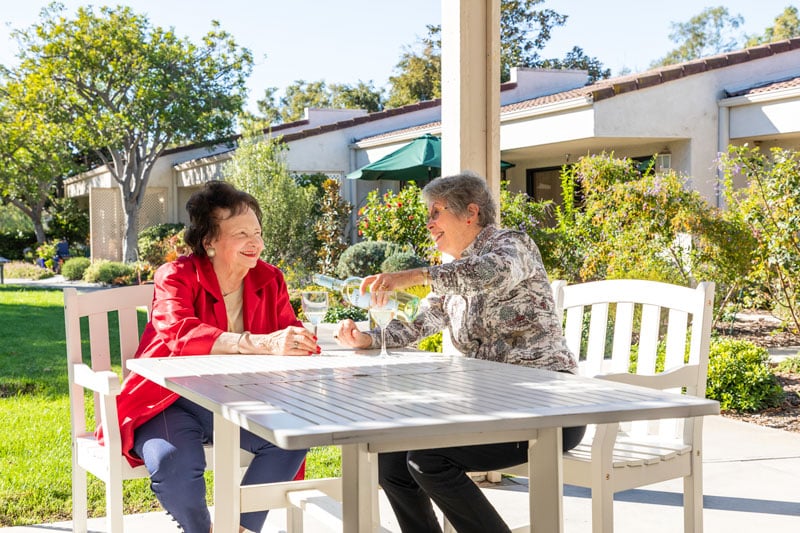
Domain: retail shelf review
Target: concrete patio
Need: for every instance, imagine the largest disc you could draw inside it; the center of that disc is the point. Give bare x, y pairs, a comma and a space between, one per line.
751, 478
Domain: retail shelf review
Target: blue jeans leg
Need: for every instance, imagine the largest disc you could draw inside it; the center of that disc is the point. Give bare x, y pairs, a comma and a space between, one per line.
171, 445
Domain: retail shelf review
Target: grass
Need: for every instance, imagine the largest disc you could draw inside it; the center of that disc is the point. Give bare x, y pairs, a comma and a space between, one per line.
35, 462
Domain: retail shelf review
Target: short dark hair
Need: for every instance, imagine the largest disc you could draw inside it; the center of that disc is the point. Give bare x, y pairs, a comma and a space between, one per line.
460, 190
202, 205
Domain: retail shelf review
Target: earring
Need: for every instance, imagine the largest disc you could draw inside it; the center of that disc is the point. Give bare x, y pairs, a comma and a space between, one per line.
211, 252
469, 221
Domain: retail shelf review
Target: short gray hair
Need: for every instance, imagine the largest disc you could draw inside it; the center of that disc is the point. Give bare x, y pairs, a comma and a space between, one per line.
460, 190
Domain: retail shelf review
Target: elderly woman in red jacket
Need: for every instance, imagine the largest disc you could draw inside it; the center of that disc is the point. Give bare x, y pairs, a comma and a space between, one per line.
221, 299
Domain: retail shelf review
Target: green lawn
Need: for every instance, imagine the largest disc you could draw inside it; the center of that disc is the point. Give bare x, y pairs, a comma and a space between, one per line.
35, 464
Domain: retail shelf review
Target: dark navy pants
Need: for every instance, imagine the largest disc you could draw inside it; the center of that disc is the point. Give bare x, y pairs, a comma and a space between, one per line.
171, 445
412, 479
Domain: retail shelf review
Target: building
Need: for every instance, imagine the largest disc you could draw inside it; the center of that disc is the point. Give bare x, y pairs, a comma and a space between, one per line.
686, 113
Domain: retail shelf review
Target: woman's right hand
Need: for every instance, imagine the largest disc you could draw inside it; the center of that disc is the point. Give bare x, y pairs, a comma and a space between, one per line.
348, 334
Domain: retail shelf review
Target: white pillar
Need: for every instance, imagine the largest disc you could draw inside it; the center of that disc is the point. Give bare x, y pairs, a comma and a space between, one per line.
471, 88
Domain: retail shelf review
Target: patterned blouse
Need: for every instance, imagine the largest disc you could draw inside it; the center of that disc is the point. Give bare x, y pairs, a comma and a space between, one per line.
496, 300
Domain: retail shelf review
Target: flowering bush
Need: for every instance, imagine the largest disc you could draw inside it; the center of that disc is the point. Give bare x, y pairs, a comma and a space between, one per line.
399, 218
769, 208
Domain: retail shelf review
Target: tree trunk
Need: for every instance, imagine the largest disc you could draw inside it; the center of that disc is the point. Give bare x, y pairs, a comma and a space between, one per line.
38, 228
130, 247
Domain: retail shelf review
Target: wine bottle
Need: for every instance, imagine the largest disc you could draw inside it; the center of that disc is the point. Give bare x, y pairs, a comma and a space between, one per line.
350, 289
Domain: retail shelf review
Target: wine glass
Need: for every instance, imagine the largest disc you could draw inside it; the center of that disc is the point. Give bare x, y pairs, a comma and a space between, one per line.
383, 306
315, 305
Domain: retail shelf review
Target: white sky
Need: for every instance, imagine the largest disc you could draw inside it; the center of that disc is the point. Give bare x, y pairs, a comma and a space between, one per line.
344, 41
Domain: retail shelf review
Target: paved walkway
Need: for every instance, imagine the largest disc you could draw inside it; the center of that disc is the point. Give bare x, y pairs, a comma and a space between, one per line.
750, 477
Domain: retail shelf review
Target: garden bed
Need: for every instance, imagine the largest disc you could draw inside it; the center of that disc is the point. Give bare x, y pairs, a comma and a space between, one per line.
762, 329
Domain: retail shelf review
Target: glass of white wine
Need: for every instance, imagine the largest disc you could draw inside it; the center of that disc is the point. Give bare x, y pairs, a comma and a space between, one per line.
315, 305
382, 309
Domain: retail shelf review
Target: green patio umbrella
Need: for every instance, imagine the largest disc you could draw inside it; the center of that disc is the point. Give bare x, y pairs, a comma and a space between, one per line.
420, 161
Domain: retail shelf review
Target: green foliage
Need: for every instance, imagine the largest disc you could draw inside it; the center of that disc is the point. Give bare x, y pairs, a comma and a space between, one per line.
74, 268
330, 227
316, 94
289, 210
712, 31
521, 212
787, 26
432, 343
739, 376
362, 259
118, 87
68, 221
109, 272
23, 270
336, 313
790, 365
398, 218
13, 242
155, 244
402, 261
622, 223
768, 206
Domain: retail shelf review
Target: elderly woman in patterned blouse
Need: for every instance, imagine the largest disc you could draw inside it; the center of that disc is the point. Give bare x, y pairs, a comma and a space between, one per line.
496, 299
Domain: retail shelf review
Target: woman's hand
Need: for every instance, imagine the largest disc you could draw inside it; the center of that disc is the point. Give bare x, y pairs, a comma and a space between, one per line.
293, 340
394, 281
348, 334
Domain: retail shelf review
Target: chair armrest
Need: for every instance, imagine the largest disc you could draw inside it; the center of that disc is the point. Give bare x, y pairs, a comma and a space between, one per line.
678, 377
103, 382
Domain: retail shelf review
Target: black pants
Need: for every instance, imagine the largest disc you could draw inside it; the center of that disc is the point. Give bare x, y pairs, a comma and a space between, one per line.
412, 479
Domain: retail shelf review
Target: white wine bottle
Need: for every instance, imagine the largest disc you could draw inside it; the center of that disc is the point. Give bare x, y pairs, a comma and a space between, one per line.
350, 289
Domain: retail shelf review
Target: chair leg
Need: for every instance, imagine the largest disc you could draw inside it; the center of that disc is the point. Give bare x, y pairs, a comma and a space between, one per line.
114, 513
80, 508
602, 509
693, 497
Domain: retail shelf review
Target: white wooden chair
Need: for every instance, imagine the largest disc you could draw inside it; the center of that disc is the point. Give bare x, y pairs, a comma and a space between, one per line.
96, 376
669, 323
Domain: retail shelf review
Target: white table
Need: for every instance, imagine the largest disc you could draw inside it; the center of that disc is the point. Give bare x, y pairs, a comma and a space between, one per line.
367, 405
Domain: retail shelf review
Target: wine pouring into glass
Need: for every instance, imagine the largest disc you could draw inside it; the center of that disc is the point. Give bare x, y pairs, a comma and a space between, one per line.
383, 307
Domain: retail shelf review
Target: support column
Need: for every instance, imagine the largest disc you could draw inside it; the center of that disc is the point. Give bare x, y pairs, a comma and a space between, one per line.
471, 89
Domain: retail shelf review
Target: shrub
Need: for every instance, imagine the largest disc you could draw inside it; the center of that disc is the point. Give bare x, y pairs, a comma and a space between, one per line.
74, 268
402, 261
768, 207
154, 242
362, 259
109, 272
397, 217
790, 365
22, 270
340, 312
739, 376
13, 242
432, 343
330, 228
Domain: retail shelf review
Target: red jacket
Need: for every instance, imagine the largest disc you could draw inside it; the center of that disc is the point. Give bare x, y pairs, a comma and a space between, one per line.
188, 316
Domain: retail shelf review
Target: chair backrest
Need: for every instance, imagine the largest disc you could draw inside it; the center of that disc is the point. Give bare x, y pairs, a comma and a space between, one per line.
96, 307
633, 330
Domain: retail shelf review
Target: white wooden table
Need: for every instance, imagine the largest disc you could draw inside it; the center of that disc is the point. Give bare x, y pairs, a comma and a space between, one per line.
367, 405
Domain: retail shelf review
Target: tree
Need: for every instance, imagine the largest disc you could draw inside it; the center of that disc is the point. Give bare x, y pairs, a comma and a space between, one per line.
289, 210
524, 32
420, 72
577, 59
33, 154
302, 94
787, 26
711, 32
127, 90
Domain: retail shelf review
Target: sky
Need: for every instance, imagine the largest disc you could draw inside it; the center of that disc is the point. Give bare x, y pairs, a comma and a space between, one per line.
347, 41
